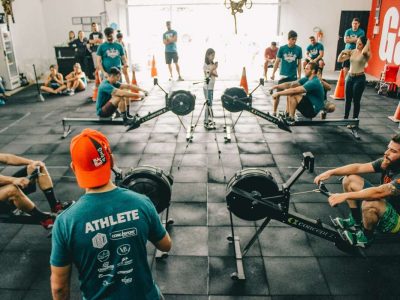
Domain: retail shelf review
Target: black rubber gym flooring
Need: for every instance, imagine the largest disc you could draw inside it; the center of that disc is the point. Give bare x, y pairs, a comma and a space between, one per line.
285, 263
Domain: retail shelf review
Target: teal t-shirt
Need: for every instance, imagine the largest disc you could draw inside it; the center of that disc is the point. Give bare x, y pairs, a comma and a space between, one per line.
351, 33
313, 50
105, 93
172, 46
105, 236
314, 92
110, 54
289, 59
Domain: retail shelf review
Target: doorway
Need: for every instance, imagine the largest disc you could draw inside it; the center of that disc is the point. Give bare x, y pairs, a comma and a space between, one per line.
345, 23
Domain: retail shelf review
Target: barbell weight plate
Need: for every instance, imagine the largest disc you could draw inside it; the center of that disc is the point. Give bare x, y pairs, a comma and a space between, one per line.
257, 182
152, 182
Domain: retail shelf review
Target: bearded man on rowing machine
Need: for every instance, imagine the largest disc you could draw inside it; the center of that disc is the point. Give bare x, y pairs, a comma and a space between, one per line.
371, 207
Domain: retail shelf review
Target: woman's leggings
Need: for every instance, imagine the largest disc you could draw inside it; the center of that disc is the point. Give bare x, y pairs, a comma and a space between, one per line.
209, 95
355, 86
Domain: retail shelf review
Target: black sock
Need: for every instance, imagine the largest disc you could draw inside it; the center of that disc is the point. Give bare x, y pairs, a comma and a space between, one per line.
38, 214
127, 110
356, 213
51, 197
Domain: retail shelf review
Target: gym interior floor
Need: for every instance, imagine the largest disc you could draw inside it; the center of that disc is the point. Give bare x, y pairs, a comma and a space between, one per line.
284, 263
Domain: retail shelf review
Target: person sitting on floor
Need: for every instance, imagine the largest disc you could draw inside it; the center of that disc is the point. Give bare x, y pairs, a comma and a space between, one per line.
14, 189
112, 96
306, 95
54, 83
76, 80
329, 106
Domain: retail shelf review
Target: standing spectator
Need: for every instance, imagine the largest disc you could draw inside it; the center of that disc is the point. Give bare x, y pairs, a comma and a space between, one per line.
270, 57
170, 37
95, 39
110, 266
210, 73
120, 41
71, 38
351, 36
314, 53
110, 53
355, 81
80, 45
289, 61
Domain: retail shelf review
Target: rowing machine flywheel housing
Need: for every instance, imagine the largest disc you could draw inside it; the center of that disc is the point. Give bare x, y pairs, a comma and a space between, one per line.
229, 99
257, 182
152, 182
181, 102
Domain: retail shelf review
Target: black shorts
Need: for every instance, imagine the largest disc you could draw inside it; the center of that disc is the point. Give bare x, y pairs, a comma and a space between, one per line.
31, 188
171, 56
286, 79
307, 60
346, 64
306, 108
107, 110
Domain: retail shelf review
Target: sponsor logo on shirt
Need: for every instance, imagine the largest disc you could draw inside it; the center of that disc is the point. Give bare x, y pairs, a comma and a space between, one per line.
125, 271
107, 283
99, 240
124, 262
106, 267
105, 275
124, 249
124, 233
126, 280
103, 255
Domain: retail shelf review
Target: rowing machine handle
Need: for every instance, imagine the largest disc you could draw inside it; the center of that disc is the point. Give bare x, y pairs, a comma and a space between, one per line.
34, 174
323, 189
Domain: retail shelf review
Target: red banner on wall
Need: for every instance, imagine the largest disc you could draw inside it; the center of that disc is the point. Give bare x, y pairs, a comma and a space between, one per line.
384, 34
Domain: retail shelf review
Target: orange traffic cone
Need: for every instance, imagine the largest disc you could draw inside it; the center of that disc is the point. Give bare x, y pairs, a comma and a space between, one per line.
243, 81
96, 86
396, 116
153, 68
339, 91
135, 83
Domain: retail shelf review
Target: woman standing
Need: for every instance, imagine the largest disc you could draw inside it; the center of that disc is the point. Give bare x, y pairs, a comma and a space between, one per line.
355, 80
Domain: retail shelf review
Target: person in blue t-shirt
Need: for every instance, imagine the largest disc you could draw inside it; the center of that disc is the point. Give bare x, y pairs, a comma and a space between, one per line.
111, 96
110, 53
170, 37
351, 36
104, 234
314, 53
289, 61
309, 104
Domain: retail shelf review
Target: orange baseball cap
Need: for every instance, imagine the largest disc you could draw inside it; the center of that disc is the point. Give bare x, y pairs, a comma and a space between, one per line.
91, 158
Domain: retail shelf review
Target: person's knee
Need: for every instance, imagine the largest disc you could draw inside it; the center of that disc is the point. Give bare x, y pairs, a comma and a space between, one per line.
12, 191
352, 183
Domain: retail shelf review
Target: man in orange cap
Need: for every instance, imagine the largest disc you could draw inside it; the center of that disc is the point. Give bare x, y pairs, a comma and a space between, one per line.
105, 233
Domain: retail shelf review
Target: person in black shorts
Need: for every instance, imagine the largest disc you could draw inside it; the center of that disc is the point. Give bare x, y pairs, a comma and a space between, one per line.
112, 96
170, 38
13, 189
305, 95
371, 207
54, 83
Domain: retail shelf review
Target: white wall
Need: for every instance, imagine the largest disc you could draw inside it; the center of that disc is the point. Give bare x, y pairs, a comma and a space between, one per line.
303, 15
42, 24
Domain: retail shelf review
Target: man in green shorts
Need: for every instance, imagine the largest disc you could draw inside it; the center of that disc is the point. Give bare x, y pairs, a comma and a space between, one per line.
372, 207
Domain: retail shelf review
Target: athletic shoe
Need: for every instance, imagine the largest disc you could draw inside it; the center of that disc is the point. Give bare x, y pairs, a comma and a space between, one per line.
290, 121
170, 79
180, 78
60, 207
48, 223
357, 239
71, 93
348, 223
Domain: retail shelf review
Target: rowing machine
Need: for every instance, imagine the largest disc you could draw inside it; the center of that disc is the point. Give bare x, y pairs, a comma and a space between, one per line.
180, 102
253, 194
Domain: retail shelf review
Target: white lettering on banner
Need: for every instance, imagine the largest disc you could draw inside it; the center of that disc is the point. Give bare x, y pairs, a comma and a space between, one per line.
389, 50
120, 218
